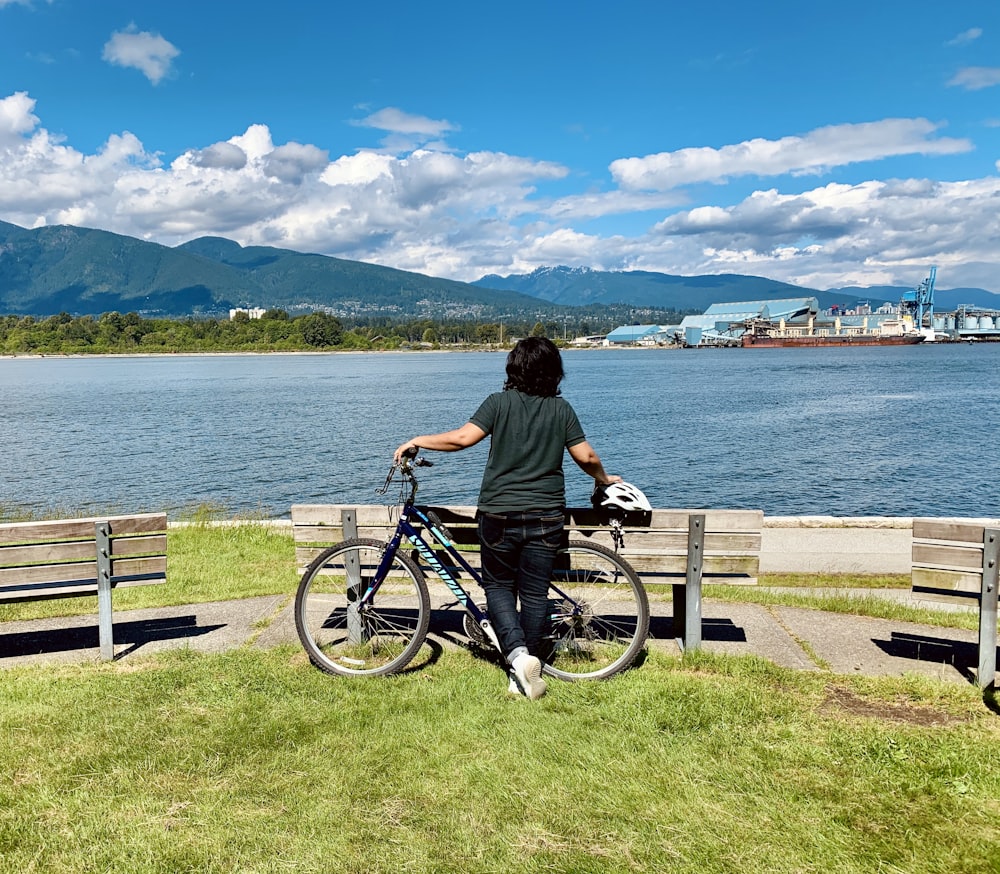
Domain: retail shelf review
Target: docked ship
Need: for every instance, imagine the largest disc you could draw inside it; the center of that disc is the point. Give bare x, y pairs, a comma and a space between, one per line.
763, 333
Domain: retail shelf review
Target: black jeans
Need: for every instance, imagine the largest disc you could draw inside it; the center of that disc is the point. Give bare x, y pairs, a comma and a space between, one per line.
518, 553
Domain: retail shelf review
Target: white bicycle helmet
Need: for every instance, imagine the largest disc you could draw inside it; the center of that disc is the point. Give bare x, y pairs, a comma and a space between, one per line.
621, 496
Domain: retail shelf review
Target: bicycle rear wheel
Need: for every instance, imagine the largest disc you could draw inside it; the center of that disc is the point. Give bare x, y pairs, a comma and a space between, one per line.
599, 614
381, 637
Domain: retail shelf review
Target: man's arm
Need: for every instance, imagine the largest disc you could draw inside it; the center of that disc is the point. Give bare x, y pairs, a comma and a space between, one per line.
590, 463
447, 441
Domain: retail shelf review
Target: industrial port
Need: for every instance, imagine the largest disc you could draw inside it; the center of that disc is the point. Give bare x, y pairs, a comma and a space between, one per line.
798, 322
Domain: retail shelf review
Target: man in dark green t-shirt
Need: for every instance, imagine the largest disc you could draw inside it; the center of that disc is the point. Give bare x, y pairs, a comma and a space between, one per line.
522, 497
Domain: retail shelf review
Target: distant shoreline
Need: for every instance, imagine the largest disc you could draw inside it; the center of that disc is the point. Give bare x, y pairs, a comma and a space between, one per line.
464, 350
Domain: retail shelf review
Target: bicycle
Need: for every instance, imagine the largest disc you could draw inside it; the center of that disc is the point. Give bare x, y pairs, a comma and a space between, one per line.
363, 606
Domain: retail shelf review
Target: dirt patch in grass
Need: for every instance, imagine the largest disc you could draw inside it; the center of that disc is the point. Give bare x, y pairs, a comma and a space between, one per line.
839, 701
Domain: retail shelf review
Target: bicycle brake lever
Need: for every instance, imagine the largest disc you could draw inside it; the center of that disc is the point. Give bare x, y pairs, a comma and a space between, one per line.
388, 481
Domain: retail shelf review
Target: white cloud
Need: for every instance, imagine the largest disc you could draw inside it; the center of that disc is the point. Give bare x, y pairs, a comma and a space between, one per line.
223, 156
406, 132
463, 216
875, 227
16, 117
815, 152
292, 161
147, 52
396, 121
604, 203
976, 78
966, 36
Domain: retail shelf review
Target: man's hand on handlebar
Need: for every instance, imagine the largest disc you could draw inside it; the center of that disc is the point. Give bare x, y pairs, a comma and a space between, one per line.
409, 449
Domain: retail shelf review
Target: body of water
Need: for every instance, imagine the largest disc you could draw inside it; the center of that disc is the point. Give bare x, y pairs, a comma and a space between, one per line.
904, 431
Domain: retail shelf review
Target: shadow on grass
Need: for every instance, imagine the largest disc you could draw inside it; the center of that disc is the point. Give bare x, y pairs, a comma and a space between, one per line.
991, 698
83, 637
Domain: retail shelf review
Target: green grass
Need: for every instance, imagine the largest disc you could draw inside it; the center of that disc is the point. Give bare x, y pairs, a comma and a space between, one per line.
845, 603
836, 581
254, 761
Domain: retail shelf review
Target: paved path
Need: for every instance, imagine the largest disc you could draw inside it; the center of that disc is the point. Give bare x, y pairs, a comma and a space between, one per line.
809, 640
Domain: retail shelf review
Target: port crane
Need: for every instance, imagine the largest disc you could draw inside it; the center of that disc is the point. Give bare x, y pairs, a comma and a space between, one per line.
920, 302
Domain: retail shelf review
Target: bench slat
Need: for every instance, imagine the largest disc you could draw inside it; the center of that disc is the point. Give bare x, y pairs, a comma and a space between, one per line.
47, 573
46, 591
47, 553
936, 529
72, 588
80, 529
76, 550
948, 556
925, 581
11, 578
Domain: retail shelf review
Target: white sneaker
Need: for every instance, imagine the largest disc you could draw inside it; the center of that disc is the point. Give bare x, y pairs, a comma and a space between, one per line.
527, 676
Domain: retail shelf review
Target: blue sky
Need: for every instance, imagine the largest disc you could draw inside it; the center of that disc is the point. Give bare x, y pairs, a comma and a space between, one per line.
824, 144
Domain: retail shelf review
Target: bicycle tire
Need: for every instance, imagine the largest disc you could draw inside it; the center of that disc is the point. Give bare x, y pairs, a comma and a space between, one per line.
386, 635
599, 614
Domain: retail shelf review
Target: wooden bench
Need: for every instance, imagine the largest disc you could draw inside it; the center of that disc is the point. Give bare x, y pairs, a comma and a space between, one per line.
957, 561
71, 558
680, 548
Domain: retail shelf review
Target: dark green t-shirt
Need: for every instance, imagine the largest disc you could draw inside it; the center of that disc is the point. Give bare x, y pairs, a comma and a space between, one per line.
528, 435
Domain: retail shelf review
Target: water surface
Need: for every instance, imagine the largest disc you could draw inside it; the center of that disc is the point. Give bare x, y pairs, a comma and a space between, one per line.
849, 432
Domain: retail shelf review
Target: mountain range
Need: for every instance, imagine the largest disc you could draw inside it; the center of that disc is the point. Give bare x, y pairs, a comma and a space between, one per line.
579, 285
47, 270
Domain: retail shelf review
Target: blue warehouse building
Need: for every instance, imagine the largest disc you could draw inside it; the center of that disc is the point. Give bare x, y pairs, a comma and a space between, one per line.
722, 324
644, 335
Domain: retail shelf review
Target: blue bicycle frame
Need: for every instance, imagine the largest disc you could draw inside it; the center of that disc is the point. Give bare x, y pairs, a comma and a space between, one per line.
406, 528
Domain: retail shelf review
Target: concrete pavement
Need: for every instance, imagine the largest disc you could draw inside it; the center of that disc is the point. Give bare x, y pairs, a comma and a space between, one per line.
802, 639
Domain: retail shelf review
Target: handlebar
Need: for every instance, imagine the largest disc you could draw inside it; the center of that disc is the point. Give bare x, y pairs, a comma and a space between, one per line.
410, 460
405, 466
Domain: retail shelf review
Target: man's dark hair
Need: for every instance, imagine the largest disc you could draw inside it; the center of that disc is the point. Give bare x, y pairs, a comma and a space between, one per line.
534, 367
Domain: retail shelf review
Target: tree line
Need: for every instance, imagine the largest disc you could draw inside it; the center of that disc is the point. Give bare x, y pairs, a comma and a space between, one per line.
275, 331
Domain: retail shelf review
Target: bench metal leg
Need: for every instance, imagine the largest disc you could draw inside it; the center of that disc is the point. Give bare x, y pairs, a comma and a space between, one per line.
355, 627
104, 616
988, 610
688, 629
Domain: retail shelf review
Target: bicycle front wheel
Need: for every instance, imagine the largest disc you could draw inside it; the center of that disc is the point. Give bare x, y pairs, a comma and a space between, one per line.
599, 614
381, 636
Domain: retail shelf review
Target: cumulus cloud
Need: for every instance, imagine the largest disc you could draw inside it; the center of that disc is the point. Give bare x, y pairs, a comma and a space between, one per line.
839, 233
147, 52
221, 156
16, 117
291, 162
462, 216
815, 152
975, 78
